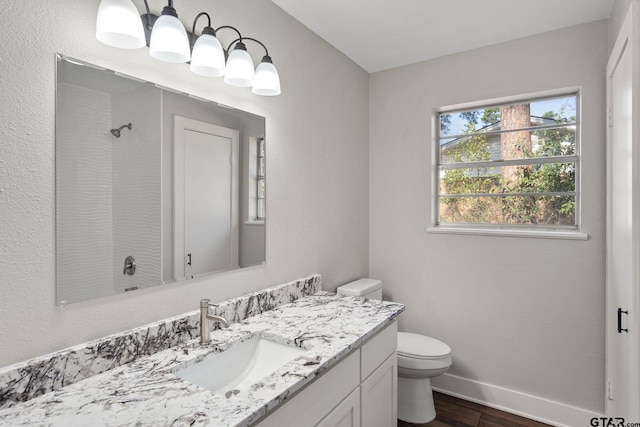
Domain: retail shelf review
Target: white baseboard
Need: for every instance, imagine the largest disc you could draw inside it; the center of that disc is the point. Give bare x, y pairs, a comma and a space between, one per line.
515, 402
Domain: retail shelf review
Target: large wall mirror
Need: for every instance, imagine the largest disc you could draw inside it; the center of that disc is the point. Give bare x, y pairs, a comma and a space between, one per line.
152, 186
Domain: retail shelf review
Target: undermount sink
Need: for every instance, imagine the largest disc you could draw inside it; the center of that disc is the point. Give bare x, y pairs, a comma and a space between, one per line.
240, 366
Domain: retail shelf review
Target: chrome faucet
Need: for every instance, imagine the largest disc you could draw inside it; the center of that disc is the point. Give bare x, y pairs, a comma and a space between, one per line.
204, 320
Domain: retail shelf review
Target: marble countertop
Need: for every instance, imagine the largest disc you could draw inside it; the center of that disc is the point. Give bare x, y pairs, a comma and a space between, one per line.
146, 391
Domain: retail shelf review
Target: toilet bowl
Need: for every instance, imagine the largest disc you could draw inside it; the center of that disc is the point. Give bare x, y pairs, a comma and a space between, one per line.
420, 358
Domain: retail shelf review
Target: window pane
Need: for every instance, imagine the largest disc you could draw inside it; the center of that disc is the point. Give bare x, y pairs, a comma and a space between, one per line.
561, 109
543, 178
470, 149
543, 112
461, 122
532, 210
510, 145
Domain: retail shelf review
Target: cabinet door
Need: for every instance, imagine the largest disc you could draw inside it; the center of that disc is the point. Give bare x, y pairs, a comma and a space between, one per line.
379, 395
346, 414
319, 398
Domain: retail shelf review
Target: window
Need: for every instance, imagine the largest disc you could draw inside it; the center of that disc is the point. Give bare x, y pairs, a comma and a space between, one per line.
511, 165
260, 199
256, 182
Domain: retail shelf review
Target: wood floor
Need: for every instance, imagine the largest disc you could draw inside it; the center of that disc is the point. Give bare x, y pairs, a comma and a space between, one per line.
452, 411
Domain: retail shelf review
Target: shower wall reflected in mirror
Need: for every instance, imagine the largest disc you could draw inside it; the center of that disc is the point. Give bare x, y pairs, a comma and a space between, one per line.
152, 186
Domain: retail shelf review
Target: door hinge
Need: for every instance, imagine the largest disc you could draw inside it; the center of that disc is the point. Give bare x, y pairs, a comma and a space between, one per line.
609, 390
610, 117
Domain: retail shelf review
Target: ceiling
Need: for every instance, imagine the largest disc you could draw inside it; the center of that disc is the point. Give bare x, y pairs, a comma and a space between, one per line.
383, 34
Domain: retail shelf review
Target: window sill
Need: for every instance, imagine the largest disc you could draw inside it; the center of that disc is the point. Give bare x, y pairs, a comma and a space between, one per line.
254, 222
541, 234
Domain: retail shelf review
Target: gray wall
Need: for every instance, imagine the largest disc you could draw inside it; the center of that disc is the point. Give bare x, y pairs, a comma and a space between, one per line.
317, 166
524, 314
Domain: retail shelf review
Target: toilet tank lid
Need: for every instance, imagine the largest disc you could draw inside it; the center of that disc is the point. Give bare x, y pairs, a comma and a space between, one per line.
360, 287
421, 346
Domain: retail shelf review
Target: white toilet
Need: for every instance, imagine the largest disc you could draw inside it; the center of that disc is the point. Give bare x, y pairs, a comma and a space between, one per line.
420, 358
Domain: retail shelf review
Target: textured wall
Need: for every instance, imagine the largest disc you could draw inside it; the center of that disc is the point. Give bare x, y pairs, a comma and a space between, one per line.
317, 166
520, 313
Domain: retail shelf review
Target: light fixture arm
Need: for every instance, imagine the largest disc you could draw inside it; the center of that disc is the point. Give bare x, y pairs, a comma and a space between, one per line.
193, 29
240, 39
148, 20
146, 6
222, 27
208, 29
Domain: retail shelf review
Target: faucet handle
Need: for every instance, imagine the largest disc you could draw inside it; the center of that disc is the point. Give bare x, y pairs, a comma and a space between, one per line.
129, 266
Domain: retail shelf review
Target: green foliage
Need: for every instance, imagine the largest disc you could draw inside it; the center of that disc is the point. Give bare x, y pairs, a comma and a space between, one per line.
465, 181
445, 123
470, 116
490, 116
555, 177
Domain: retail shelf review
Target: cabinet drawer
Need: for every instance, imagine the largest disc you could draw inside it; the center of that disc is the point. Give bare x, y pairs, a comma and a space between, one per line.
377, 349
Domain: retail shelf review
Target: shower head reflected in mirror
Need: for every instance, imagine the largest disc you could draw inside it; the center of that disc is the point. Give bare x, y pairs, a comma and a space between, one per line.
116, 132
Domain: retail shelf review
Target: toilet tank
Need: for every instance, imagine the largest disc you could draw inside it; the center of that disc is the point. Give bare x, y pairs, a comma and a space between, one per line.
366, 288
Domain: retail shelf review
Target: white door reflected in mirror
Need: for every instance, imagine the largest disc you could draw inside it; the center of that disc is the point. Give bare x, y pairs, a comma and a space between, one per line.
206, 208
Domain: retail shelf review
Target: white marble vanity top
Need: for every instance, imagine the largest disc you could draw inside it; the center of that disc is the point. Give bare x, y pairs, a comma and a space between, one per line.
147, 393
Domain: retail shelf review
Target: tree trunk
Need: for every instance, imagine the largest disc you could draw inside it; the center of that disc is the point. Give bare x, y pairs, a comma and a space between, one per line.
514, 145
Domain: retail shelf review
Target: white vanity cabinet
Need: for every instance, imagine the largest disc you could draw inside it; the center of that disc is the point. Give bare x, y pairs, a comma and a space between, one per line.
360, 390
379, 379
346, 414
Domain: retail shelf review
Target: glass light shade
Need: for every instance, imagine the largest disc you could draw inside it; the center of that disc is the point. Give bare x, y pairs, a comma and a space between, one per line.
267, 81
240, 71
207, 58
169, 41
118, 24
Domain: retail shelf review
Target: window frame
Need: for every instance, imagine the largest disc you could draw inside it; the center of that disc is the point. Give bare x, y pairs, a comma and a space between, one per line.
256, 152
261, 205
511, 230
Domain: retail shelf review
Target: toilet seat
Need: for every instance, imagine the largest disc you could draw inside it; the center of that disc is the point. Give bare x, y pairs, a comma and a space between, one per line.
421, 347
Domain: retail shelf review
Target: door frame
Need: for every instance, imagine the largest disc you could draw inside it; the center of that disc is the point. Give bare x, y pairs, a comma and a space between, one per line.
626, 41
180, 124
